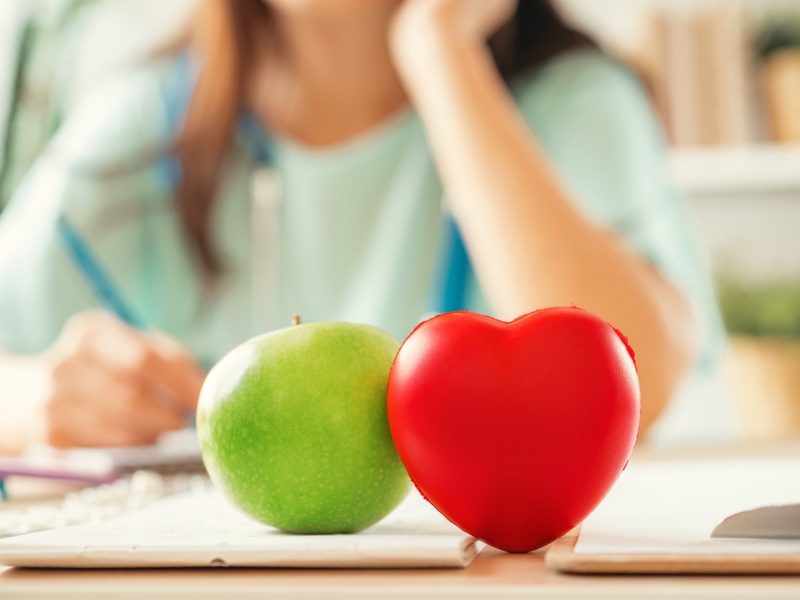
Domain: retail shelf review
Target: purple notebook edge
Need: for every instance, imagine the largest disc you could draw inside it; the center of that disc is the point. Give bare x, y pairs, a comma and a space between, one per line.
13, 468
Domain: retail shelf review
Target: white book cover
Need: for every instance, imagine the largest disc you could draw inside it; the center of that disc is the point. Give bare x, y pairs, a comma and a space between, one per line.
201, 529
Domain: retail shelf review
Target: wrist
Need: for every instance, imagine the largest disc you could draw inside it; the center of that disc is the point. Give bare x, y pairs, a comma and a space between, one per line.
25, 382
425, 32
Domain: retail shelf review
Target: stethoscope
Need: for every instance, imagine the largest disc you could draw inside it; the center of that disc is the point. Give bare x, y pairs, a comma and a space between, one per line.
453, 271
267, 193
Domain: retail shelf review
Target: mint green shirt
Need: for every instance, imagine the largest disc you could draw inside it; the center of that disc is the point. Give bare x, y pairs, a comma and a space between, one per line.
354, 234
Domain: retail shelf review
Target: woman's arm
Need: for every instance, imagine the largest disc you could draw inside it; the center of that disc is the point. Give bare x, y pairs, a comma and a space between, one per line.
100, 384
22, 385
531, 247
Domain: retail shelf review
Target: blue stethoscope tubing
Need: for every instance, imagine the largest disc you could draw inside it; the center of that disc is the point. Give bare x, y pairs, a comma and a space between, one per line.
454, 271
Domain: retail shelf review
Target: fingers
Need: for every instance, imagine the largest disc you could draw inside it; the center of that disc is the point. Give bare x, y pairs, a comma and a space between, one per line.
124, 404
70, 422
111, 385
152, 358
169, 365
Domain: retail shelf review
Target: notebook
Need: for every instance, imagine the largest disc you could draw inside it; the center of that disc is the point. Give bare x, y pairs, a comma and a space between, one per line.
660, 517
201, 529
174, 452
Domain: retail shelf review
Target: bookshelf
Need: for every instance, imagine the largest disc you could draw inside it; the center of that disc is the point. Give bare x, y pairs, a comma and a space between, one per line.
701, 59
721, 72
751, 170
745, 203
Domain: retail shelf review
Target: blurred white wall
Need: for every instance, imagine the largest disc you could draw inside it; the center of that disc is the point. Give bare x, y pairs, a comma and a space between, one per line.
112, 32
119, 32
746, 202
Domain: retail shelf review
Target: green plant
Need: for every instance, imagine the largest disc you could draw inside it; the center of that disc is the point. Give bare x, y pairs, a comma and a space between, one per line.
766, 310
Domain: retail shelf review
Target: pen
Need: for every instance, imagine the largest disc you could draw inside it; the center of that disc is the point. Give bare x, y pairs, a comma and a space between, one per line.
94, 274
104, 291
98, 280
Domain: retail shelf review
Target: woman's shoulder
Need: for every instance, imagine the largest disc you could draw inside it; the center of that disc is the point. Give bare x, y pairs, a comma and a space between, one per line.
582, 77
127, 116
580, 67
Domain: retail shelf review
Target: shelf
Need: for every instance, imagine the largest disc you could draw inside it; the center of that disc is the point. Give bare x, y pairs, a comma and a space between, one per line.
746, 170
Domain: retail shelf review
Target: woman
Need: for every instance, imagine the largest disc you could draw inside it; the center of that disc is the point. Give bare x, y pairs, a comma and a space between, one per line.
370, 111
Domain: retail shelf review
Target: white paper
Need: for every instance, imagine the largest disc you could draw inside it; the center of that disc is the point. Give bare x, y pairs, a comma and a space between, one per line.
671, 507
203, 529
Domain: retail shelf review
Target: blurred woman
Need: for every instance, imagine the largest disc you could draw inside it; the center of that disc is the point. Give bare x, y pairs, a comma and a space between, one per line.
369, 112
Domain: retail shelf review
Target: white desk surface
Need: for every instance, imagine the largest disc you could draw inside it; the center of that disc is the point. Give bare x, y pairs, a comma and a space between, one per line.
492, 575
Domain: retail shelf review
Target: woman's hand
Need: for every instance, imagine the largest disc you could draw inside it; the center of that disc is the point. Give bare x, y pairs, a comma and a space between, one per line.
105, 384
476, 19
418, 21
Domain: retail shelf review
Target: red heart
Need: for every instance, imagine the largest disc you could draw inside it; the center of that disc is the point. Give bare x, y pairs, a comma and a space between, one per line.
514, 431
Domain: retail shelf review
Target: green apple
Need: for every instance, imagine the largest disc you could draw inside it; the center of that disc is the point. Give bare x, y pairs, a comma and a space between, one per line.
293, 428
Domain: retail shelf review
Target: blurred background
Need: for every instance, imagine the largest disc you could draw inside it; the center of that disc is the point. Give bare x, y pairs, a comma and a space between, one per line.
724, 74
725, 77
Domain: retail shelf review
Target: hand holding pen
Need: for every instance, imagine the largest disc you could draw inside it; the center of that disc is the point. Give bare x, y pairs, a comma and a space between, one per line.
107, 380
107, 384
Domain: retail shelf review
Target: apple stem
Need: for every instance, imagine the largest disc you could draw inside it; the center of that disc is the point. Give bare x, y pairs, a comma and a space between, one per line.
296, 319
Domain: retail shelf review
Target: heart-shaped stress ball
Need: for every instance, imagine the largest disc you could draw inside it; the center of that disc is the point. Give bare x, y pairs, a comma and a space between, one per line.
514, 431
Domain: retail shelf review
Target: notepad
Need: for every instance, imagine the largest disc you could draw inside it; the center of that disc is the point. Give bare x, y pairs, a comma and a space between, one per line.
201, 529
661, 514
672, 507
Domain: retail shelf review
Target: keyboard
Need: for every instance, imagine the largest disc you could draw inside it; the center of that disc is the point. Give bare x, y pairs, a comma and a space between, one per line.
100, 502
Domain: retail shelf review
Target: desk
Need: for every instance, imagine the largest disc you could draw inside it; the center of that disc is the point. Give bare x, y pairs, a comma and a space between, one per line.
492, 575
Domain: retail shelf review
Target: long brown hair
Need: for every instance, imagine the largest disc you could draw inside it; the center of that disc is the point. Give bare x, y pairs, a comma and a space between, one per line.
226, 34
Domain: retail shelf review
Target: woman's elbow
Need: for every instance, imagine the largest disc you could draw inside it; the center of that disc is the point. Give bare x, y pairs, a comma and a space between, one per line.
667, 362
